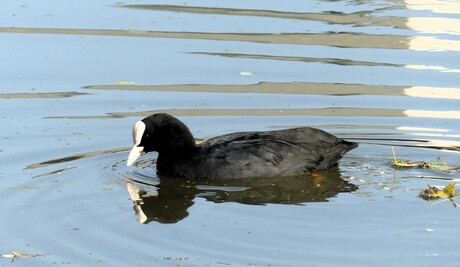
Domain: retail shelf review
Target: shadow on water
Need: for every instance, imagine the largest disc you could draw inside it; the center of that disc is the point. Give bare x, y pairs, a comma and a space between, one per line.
168, 201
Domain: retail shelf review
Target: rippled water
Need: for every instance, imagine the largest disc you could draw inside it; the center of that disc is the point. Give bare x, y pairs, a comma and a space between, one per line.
76, 75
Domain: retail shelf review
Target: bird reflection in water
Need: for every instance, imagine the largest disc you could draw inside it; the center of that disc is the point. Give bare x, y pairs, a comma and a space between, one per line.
168, 201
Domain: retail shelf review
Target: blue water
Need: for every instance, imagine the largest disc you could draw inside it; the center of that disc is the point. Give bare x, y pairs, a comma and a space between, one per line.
76, 75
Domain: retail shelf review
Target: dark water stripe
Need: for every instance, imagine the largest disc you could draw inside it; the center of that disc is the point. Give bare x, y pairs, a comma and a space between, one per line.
334, 112
76, 157
335, 61
452, 147
306, 88
59, 171
334, 39
41, 95
360, 18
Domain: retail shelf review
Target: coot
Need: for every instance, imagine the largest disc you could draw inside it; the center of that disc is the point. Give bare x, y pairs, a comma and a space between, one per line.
236, 155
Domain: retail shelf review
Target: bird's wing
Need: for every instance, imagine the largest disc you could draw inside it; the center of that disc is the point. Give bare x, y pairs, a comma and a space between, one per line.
305, 135
260, 157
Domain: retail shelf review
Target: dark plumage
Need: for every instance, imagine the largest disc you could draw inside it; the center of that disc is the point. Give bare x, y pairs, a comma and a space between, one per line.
236, 155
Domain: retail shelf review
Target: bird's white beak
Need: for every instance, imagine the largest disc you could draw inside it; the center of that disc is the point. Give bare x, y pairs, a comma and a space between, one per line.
136, 151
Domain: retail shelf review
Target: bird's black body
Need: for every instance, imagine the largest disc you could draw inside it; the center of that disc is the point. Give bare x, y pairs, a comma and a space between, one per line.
238, 155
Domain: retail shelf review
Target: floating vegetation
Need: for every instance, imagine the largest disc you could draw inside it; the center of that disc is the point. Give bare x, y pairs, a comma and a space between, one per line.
175, 258
14, 255
432, 192
439, 164
124, 82
24, 187
402, 163
436, 192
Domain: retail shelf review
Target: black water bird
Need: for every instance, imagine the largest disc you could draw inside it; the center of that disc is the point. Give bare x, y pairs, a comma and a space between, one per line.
236, 155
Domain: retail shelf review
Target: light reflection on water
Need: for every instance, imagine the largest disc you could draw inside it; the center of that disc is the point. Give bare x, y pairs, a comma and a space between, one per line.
383, 73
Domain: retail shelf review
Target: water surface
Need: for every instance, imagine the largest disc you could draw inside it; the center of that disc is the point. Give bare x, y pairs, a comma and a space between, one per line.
77, 75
